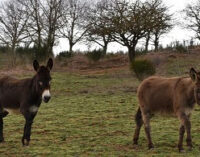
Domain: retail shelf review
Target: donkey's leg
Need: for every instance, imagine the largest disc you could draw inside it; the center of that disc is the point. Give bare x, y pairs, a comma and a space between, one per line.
139, 122
27, 128
188, 130
4, 114
1, 129
146, 120
181, 135
186, 122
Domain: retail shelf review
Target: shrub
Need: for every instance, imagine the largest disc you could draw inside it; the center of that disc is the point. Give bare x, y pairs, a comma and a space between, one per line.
24, 54
4, 49
95, 55
110, 55
34, 52
181, 49
143, 68
64, 54
140, 51
41, 54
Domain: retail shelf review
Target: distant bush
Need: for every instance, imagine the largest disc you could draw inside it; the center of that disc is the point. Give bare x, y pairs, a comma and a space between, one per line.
143, 68
95, 55
110, 55
181, 49
25, 51
4, 49
141, 51
33, 52
64, 54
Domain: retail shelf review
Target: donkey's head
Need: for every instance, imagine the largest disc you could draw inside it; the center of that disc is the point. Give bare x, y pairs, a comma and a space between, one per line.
195, 76
43, 79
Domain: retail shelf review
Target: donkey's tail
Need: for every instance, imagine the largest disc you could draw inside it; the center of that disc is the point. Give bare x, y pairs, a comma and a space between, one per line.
138, 117
139, 122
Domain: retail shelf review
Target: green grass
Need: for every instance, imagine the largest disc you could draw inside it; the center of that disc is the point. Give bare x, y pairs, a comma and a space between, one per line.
93, 116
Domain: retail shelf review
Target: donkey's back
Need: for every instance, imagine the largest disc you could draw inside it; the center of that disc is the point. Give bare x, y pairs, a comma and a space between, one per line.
13, 91
160, 94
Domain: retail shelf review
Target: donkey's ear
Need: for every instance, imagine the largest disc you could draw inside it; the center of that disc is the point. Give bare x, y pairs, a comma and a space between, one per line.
50, 63
36, 65
193, 74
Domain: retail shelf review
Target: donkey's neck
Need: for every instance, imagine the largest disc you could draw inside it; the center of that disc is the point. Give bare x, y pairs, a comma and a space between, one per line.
192, 94
34, 95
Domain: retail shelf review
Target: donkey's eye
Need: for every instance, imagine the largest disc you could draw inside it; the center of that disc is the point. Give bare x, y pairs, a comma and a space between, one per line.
40, 83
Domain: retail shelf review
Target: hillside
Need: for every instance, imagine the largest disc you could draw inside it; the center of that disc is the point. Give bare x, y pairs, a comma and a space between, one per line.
166, 63
91, 112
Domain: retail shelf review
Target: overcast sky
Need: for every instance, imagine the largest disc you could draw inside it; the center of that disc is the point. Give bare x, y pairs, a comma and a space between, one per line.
176, 33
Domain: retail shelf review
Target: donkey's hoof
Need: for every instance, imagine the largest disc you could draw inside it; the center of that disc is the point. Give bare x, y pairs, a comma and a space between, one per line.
135, 142
151, 147
181, 150
1, 140
190, 148
25, 142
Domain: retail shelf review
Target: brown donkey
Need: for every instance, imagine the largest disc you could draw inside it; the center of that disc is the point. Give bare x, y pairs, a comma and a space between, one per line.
168, 95
25, 96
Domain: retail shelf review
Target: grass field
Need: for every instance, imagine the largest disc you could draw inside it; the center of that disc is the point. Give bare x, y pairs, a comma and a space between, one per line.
92, 115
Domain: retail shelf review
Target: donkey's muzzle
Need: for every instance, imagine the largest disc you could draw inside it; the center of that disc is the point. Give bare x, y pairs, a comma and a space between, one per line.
46, 96
46, 99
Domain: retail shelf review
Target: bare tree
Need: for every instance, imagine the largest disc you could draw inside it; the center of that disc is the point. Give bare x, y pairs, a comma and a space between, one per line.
162, 20
99, 30
147, 40
74, 26
53, 13
13, 22
44, 23
130, 22
35, 25
192, 19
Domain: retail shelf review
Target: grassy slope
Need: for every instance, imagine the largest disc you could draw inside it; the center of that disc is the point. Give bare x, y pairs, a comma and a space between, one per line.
93, 116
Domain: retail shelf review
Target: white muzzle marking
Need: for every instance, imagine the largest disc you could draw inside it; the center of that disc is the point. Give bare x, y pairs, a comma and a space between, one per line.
46, 93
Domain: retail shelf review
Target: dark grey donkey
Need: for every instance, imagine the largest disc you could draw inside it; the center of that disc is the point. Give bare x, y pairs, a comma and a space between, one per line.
25, 96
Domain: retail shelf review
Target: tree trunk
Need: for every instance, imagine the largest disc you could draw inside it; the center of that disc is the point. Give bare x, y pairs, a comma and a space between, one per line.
39, 41
50, 44
50, 50
71, 44
156, 43
13, 54
147, 42
105, 48
131, 53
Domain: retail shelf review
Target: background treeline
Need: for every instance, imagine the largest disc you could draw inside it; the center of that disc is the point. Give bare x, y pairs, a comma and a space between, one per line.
34, 26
